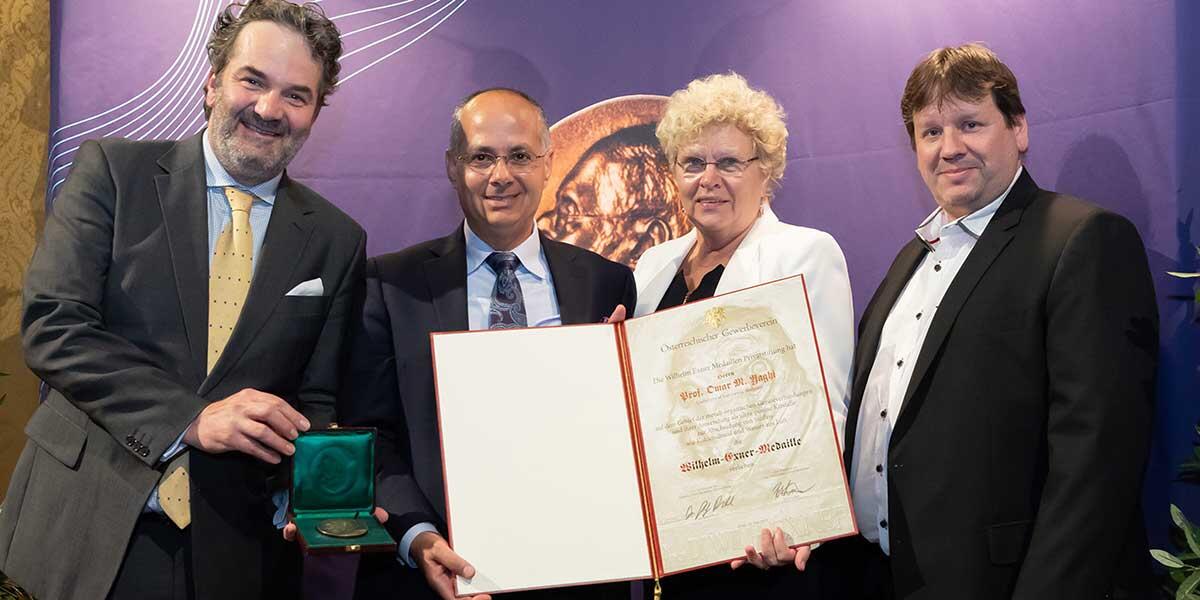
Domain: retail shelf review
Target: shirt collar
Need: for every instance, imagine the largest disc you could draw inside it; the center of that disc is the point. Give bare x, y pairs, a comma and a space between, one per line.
216, 176
934, 227
528, 251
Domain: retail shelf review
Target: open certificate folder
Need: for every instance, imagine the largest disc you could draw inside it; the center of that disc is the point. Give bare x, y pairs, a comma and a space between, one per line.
593, 453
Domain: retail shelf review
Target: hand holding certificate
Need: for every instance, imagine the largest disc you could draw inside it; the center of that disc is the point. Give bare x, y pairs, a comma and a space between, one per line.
663, 443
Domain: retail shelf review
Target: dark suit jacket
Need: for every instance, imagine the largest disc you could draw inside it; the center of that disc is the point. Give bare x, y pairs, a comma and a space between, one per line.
415, 292
1016, 461
115, 322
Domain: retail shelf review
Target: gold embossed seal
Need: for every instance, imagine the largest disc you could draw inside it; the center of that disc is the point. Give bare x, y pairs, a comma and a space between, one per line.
715, 317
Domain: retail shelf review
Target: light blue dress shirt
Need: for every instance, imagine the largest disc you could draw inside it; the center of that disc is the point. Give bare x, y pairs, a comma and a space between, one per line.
216, 178
219, 211
541, 310
537, 286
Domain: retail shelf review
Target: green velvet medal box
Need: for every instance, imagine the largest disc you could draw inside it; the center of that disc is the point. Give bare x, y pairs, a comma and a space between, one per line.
333, 492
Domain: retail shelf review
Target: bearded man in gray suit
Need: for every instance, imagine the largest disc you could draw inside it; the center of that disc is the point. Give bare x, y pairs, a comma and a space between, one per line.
186, 309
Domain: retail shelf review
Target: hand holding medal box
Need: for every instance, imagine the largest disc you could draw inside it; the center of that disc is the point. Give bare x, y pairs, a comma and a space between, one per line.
333, 492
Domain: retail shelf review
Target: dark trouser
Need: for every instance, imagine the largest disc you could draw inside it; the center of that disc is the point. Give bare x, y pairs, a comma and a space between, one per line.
854, 569
158, 563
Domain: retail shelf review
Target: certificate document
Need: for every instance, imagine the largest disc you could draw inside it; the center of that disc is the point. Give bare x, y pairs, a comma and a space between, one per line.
665, 443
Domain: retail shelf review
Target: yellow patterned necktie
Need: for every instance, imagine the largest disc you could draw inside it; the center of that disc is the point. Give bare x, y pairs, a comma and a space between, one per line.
228, 282
229, 275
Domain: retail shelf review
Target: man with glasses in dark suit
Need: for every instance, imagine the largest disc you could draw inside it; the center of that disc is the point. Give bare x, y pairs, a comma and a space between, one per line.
496, 270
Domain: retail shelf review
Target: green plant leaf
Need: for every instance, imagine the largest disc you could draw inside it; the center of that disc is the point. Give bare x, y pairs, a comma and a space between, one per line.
1188, 586
1178, 518
1189, 531
1167, 559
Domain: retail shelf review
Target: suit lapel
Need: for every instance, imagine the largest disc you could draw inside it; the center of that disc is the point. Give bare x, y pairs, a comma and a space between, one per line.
746, 265
570, 285
283, 247
872, 327
446, 274
182, 197
651, 292
995, 238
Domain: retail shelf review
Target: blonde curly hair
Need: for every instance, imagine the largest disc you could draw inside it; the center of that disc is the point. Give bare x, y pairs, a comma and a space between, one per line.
729, 99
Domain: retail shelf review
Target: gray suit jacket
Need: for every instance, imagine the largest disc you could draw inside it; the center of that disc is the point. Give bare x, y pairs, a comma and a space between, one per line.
115, 322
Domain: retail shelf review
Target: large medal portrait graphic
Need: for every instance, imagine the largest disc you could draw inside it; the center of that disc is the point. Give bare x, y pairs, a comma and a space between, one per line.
610, 189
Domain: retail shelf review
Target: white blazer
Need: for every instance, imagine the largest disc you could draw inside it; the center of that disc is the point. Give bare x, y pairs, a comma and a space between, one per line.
774, 250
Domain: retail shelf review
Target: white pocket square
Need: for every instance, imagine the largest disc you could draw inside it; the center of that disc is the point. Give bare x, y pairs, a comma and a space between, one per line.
312, 287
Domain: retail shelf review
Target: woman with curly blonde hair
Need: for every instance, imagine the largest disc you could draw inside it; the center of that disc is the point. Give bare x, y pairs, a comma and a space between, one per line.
727, 146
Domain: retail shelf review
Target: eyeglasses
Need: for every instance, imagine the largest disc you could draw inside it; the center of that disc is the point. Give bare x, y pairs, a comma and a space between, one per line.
728, 166
519, 161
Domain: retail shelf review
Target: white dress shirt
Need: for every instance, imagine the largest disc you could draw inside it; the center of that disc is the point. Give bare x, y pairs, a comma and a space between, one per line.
900, 342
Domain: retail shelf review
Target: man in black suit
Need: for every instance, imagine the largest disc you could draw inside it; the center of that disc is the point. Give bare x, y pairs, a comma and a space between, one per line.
187, 308
496, 270
1001, 406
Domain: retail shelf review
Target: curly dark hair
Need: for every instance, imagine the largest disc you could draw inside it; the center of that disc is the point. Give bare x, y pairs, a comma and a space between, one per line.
306, 19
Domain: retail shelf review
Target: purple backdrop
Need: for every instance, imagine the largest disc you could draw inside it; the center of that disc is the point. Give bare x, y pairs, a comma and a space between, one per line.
1113, 90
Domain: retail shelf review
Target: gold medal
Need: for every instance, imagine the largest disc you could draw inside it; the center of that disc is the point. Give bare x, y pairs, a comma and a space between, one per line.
342, 528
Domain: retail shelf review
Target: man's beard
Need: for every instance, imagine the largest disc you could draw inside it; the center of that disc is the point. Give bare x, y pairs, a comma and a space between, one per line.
245, 163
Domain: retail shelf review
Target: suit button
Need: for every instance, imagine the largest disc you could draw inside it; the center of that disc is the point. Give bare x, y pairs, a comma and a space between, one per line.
897, 466
883, 523
883, 414
878, 468
129, 443
144, 452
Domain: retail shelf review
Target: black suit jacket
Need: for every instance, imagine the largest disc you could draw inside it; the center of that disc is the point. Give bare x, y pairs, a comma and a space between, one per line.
1016, 461
115, 322
410, 294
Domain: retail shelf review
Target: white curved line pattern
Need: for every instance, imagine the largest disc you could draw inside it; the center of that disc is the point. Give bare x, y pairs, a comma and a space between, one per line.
367, 10
168, 107
409, 43
387, 22
191, 54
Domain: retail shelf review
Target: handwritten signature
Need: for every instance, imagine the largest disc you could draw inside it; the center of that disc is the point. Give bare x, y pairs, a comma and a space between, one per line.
787, 487
708, 507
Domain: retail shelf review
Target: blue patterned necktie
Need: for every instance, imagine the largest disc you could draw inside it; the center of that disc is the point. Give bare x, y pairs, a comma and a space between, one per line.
508, 304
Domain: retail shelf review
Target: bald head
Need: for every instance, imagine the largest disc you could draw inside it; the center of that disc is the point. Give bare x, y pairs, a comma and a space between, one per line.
499, 99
